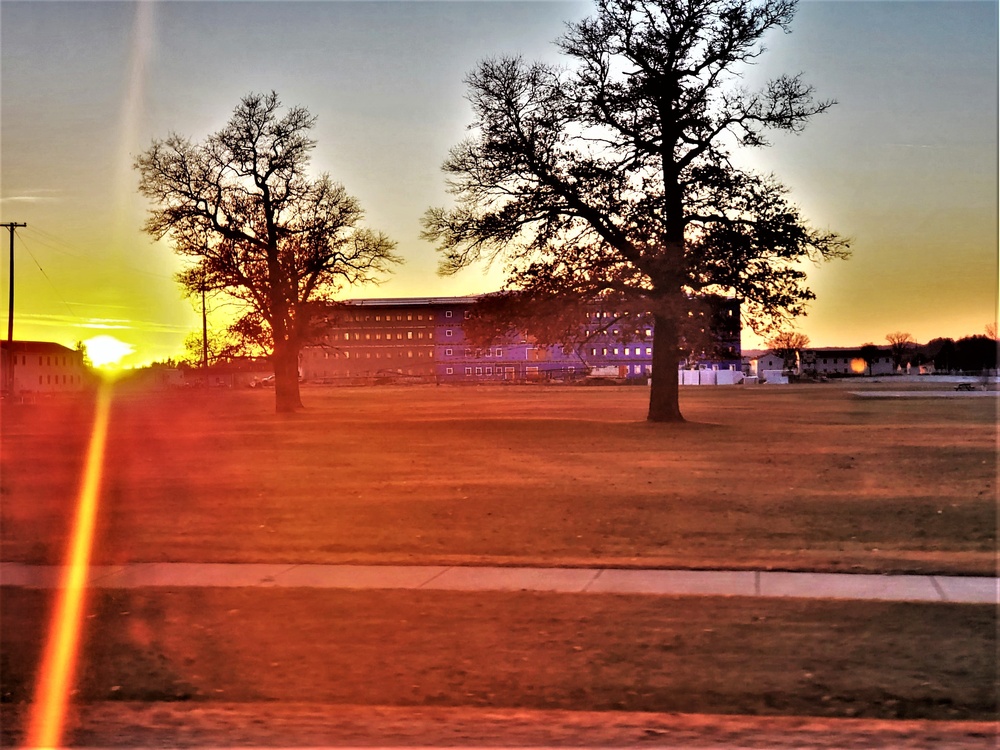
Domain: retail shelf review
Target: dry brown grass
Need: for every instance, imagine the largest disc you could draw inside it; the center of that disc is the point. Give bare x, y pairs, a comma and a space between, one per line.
805, 478
523, 650
792, 478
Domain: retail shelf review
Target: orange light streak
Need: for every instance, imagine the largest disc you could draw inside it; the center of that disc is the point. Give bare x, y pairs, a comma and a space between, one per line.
59, 659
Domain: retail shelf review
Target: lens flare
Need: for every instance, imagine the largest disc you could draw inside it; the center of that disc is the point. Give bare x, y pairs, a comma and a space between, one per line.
55, 676
106, 351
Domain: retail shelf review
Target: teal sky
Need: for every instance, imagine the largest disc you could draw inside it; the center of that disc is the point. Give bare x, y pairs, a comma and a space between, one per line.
905, 164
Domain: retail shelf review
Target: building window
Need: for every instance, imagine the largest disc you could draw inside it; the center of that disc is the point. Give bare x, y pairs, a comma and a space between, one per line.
448, 333
489, 370
447, 313
409, 353
499, 352
447, 352
409, 334
593, 351
468, 370
626, 351
409, 316
649, 351
449, 371
468, 314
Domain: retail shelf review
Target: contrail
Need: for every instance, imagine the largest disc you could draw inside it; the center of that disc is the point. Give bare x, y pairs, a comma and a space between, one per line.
131, 112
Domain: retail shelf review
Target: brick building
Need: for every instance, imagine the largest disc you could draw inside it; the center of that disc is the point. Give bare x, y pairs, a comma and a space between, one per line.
424, 339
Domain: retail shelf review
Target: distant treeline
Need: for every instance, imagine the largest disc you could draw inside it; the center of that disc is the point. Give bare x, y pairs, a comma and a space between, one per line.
969, 354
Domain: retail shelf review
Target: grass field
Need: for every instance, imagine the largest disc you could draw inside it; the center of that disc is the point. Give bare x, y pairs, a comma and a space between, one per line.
788, 478
792, 478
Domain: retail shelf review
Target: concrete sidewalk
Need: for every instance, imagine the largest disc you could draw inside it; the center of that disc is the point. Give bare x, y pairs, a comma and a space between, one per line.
921, 588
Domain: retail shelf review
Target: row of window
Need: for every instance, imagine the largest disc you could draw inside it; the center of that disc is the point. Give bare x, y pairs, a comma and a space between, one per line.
378, 336
388, 354
485, 369
46, 361
400, 317
629, 351
648, 332
54, 380
477, 353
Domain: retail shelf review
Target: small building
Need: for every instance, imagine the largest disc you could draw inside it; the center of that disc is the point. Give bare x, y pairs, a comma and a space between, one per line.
829, 361
41, 367
845, 361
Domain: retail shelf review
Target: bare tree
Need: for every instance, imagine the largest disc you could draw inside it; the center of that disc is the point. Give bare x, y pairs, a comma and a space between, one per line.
900, 345
788, 345
613, 177
280, 244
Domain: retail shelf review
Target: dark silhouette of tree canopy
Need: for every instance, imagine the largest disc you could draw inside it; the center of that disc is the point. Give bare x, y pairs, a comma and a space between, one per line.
870, 354
241, 206
976, 354
613, 176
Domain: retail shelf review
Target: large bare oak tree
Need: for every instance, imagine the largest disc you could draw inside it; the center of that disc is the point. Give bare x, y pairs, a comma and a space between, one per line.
241, 205
612, 176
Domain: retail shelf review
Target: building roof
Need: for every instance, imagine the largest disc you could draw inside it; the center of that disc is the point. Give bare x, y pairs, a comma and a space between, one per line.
36, 347
411, 301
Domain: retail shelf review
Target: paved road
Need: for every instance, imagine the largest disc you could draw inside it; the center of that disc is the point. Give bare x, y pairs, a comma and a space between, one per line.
924, 588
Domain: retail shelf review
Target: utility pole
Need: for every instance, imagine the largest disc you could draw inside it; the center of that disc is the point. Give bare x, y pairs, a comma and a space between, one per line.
204, 328
11, 226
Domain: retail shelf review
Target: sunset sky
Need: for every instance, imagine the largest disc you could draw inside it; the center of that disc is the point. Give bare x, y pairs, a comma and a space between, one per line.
905, 164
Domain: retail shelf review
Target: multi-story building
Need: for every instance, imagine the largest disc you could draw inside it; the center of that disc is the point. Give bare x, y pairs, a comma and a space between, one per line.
425, 339
41, 367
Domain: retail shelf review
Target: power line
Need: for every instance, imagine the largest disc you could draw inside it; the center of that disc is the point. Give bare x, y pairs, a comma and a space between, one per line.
52, 284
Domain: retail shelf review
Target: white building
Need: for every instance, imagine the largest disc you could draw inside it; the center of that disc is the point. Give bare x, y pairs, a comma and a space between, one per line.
41, 367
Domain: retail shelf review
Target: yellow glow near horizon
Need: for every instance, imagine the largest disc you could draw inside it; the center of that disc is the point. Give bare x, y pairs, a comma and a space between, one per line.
59, 658
106, 351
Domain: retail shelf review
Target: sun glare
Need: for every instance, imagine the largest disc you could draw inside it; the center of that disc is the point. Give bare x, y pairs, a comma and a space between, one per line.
107, 351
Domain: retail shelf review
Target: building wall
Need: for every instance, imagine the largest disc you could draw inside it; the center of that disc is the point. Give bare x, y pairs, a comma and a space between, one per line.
425, 339
42, 367
837, 361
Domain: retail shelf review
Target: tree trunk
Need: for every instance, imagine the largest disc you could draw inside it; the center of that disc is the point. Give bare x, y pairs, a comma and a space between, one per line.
286, 378
664, 392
